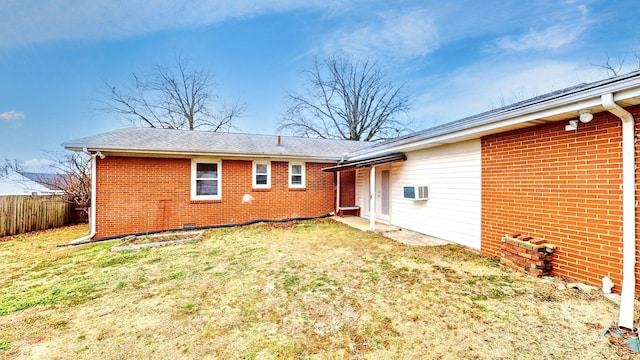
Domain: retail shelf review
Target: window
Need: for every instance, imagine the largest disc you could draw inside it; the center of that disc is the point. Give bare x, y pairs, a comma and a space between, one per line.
205, 180
296, 175
262, 174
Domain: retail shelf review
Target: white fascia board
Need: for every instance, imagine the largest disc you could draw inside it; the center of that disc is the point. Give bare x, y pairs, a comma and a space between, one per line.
510, 119
188, 154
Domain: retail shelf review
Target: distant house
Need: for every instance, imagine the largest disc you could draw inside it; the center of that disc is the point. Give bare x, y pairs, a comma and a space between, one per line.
560, 166
29, 183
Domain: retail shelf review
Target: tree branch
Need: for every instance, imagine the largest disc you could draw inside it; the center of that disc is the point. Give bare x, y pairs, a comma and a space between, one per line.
178, 98
346, 99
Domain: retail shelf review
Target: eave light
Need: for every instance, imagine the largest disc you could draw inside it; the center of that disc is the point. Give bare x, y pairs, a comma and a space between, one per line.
585, 116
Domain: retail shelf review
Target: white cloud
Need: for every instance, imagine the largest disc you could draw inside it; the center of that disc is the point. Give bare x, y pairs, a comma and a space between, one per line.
405, 34
11, 115
550, 38
37, 163
25, 22
567, 26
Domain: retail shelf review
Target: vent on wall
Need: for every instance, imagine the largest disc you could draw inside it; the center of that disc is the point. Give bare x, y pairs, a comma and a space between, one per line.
416, 192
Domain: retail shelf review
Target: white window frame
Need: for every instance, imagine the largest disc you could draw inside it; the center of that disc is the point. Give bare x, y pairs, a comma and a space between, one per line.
303, 171
194, 173
254, 174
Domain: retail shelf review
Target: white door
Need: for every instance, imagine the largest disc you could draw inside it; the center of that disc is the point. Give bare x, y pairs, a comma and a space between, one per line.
382, 193
383, 199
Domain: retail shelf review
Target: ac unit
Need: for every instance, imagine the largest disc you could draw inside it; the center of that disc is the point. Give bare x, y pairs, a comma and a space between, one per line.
416, 192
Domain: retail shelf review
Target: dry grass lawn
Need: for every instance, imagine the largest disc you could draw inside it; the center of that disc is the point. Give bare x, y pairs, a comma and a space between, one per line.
315, 290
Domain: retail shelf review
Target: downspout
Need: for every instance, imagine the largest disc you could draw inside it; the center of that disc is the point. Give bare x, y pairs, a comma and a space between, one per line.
338, 178
92, 210
627, 300
372, 199
344, 157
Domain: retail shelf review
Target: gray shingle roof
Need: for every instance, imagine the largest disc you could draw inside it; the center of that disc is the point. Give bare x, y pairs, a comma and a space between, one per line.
152, 140
488, 117
196, 142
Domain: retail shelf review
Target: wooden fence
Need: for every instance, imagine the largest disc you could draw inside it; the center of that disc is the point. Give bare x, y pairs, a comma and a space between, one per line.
21, 214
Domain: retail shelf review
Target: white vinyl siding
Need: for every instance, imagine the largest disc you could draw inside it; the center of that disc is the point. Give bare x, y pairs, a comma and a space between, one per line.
361, 191
452, 211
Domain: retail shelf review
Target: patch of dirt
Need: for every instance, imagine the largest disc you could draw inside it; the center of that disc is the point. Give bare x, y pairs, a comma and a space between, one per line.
283, 225
159, 238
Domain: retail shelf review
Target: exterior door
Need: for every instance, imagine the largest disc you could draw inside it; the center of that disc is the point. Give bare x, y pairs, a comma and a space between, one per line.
382, 193
383, 198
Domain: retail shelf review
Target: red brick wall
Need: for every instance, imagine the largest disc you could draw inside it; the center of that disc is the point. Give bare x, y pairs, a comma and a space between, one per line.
347, 188
144, 194
563, 186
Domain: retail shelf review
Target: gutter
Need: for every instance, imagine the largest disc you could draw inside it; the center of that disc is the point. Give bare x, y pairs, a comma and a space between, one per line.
627, 299
191, 154
527, 115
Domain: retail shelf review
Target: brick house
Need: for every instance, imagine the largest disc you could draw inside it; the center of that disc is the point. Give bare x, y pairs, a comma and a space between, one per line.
155, 179
560, 166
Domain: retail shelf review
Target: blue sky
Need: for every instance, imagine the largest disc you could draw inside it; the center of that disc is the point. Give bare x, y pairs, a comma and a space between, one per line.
458, 57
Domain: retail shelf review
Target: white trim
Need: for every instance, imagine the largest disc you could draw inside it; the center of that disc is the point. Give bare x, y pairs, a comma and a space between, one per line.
115, 151
372, 198
534, 114
338, 176
303, 171
194, 167
254, 174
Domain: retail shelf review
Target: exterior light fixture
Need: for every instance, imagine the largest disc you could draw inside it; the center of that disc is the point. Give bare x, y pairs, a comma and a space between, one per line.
573, 125
585, 116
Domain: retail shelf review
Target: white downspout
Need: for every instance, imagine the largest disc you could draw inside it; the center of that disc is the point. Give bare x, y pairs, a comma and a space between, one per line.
372, 199
338, 178
92, 210
628, 211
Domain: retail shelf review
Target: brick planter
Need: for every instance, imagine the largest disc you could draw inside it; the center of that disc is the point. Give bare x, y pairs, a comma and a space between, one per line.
526, 254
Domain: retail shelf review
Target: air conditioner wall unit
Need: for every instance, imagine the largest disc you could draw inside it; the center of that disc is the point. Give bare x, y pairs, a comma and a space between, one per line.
416, 192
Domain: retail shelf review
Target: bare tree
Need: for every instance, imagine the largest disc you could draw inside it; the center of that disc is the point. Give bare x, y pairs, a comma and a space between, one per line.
615, 66
347, 99
173, 98
68, 172
74, 170
611, 66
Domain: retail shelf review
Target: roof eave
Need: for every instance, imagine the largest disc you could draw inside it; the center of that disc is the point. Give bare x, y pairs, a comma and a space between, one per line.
525, 116
378, 160
188, 153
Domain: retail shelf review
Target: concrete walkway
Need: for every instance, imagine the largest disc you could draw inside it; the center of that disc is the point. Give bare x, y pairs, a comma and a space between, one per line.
404, 236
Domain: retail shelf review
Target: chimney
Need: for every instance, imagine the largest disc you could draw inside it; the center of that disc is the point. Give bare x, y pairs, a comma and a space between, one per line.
279, 140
